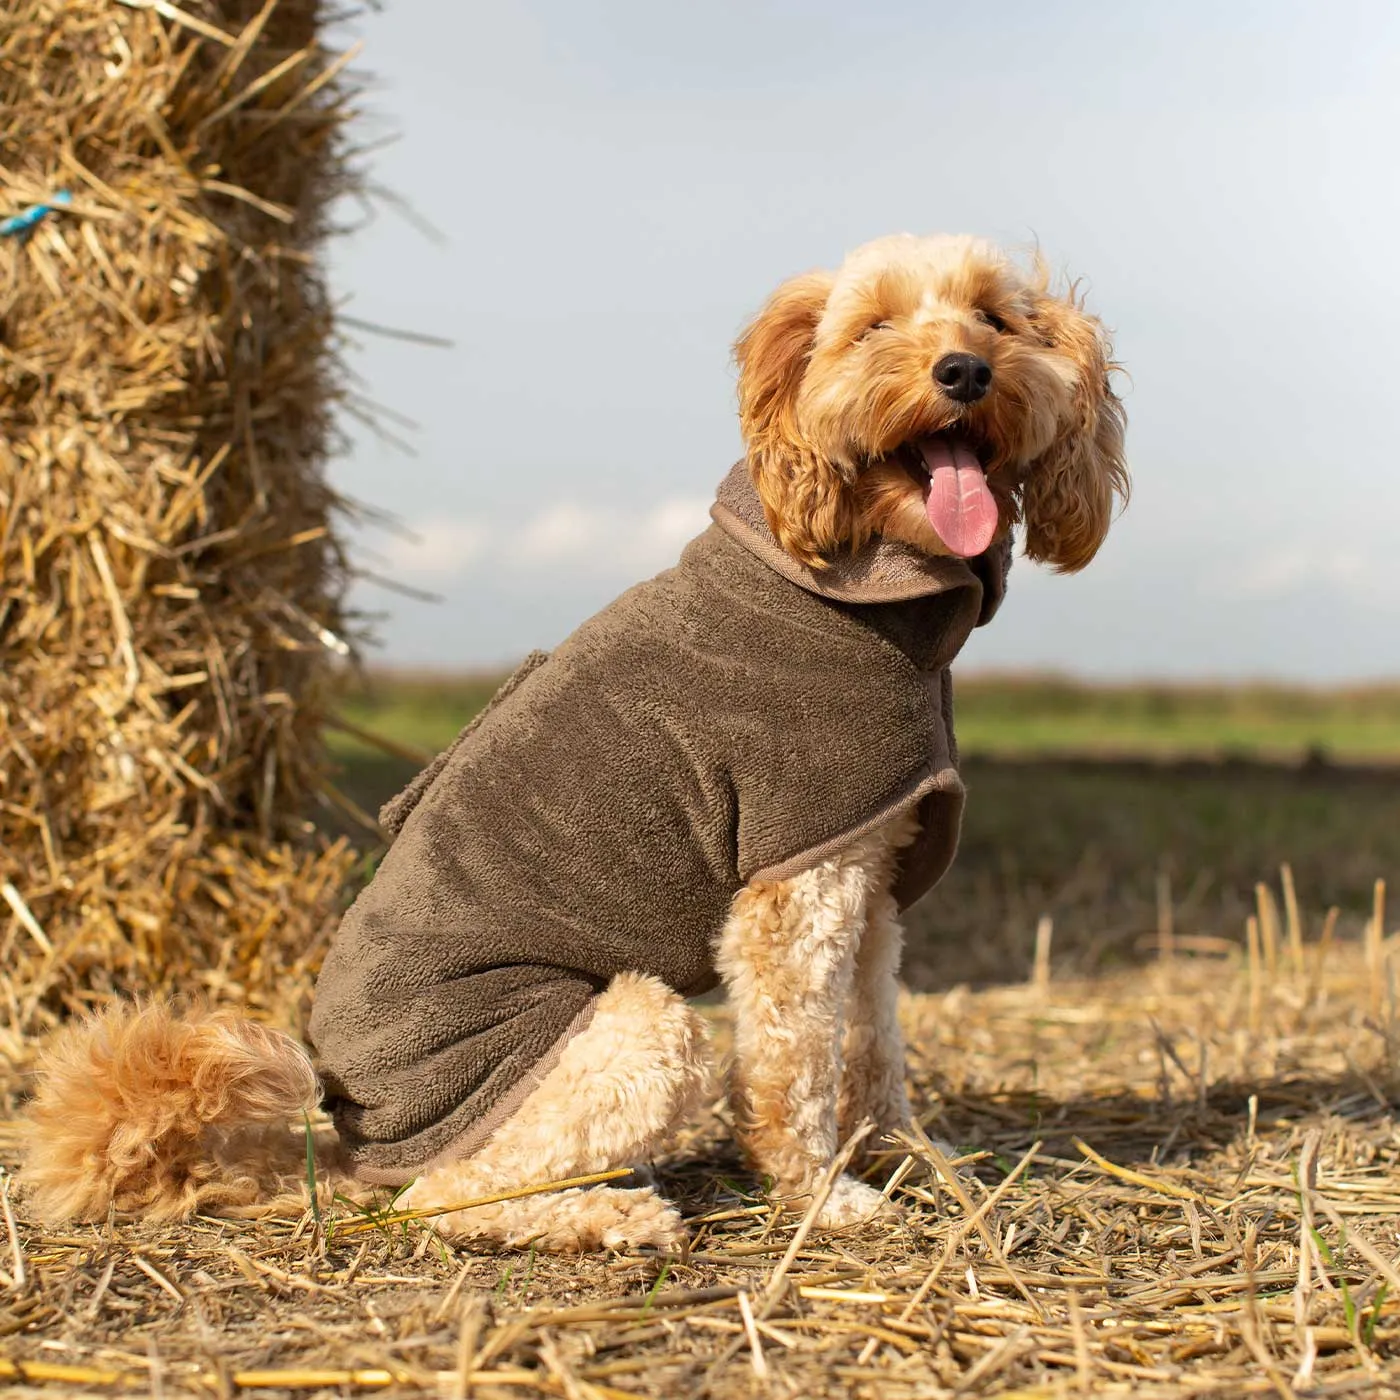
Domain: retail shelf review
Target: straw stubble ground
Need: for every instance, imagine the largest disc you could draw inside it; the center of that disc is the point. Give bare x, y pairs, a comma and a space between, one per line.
1177, 1182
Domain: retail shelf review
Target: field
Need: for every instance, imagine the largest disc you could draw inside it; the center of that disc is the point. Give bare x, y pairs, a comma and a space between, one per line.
1109, 809
1017, 715
1159, 1160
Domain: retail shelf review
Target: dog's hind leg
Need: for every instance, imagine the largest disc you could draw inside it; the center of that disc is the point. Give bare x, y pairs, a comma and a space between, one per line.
622, 1087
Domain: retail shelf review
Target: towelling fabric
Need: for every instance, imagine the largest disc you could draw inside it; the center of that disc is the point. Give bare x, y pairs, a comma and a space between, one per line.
739, 717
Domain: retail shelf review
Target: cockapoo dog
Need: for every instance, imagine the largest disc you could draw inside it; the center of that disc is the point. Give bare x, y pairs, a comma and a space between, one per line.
737, 773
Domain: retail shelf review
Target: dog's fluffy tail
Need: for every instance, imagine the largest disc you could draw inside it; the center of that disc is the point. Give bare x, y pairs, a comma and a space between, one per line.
144, 1112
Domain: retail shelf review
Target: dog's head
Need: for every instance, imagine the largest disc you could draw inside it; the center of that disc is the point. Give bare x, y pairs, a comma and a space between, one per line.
933, 391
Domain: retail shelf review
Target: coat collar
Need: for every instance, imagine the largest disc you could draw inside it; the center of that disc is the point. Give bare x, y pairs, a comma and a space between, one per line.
881, 571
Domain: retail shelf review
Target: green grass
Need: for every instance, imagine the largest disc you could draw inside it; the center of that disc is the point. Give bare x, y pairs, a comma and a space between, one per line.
421, 711
1031, 715
1015, 715
1080, 798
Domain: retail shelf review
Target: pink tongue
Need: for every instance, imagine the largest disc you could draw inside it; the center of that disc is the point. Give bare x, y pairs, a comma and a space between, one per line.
960, 505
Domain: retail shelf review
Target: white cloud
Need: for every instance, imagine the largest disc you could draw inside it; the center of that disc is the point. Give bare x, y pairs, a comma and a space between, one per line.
437, 548
1285, 571
565, 538
565, 533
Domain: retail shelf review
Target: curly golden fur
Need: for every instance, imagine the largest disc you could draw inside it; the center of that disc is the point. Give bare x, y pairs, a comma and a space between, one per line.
142, 1112
134, 1105
835, 378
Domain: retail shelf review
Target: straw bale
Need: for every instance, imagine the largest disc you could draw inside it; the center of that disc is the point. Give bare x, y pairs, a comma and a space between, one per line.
171, 582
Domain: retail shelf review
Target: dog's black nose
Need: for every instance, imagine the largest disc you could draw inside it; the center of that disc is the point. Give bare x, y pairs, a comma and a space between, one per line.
963, 377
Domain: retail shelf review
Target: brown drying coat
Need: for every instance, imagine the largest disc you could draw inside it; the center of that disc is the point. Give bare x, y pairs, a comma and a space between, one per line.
738, 717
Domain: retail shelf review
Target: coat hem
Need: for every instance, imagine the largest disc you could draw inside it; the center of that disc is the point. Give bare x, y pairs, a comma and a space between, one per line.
941, 780
469, 1143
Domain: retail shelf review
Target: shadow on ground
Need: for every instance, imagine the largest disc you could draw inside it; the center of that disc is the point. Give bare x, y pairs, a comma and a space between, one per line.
1174, 1132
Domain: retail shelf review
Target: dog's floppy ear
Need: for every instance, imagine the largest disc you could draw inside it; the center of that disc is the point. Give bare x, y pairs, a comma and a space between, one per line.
1068, 497
805, 498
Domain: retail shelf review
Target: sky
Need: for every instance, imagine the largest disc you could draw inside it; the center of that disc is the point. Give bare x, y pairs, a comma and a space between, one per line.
589, 200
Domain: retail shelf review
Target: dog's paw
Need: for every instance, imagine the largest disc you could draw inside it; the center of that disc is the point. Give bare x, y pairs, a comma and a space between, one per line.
851, 1202
571, 1222
611, 1218
648, 1222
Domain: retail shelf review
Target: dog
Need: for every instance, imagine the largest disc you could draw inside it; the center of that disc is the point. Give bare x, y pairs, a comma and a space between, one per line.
739, 773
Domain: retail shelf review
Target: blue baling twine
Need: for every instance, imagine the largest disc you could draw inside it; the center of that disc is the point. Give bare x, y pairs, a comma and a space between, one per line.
27, 218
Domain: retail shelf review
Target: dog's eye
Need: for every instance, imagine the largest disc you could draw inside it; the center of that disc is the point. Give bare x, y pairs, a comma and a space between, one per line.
878, 326
993, 320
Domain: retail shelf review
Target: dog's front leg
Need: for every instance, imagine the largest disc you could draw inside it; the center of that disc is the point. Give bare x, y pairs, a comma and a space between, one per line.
787, 955
873, 1051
